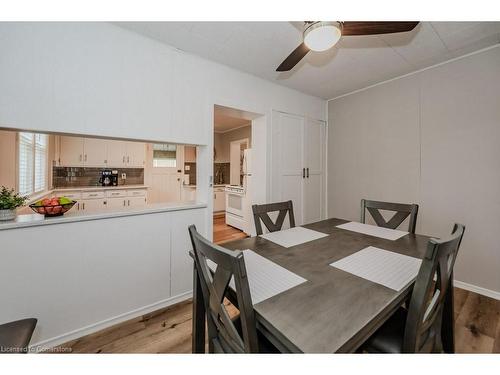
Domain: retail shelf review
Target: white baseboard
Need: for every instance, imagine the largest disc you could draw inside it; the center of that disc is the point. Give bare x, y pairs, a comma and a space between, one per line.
80, 332
477, 289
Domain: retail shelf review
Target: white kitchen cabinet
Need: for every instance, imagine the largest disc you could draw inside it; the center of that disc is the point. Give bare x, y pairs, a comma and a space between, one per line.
219, 200
70, 151
95, 152
136, 154
116, 154
181, 263
136, 201
100, 153
114, 203
298, 155
91, 205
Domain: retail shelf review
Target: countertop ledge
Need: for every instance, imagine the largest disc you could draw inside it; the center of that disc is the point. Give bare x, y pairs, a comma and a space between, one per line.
94, 188
35, 220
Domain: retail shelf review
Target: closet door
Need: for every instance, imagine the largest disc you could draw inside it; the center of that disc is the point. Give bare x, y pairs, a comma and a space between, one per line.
314, 162
288, 167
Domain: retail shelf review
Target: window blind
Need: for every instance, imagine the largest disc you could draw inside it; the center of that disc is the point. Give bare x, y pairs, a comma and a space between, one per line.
32, 163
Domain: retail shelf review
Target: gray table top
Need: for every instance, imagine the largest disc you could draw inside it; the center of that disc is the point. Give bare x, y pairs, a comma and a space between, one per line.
334, 311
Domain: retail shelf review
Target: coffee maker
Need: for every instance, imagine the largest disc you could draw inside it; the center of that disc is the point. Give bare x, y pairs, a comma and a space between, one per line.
109, 177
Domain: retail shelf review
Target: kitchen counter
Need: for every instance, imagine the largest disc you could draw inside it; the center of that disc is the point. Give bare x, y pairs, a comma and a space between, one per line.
33, 220
94, 188
215, 186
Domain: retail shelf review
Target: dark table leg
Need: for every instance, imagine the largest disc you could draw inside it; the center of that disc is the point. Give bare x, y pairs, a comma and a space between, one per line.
447, 331
198, 335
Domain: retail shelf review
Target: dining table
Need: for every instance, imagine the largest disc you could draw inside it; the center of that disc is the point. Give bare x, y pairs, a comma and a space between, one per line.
334, 311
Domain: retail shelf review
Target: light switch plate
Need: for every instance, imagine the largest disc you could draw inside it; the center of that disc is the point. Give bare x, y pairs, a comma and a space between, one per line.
124, 176
187, 168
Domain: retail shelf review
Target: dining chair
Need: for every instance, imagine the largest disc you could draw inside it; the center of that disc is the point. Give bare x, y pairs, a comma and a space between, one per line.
261, 213
402, 211
218, 269
418, 328
16, 336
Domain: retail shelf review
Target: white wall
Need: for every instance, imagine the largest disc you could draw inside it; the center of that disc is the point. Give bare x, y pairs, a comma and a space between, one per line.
432, 138
100, 79
222, 141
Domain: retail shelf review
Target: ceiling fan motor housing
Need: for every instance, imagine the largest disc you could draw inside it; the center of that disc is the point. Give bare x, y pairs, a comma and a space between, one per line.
322, 35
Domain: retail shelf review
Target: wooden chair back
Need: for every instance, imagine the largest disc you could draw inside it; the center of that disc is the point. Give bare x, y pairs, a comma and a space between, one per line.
227, 266
261, 213
402, 211
424, 320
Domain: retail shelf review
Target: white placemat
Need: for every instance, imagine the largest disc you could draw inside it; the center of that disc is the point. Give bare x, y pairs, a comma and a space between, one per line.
383, 267
293, 236
373, 230
265, 278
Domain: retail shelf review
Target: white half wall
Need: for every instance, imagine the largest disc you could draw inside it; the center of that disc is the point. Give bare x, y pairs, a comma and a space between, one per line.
432, 138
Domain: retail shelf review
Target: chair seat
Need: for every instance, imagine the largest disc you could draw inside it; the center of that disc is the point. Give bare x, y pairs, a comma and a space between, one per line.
389, 337
265, 346
15, 336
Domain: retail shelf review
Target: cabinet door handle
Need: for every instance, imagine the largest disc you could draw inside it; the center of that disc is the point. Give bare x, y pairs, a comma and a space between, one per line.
128, 159
303, 173
83, 204
80, 157
78, 206
85, 157
307, 172
124, 202
129, 202
124, 160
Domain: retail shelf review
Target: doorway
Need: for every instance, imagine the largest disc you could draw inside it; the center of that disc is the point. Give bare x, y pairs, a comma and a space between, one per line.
233, 184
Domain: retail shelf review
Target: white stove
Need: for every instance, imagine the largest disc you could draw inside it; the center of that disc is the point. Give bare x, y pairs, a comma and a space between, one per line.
235, 189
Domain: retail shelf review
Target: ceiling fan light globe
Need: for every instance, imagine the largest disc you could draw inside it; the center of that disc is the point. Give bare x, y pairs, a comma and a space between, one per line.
321, 36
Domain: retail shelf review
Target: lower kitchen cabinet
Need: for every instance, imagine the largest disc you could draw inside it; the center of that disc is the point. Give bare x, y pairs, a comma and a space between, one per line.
136, 201
181, 278
91, 205
116, 202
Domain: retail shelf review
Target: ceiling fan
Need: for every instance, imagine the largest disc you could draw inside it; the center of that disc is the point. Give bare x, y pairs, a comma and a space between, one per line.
323, 35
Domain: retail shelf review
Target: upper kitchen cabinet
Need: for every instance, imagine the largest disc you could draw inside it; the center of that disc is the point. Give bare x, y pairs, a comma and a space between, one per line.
147, 89
95, 152
190, 112
70, 151
117, 154
126, 154
136, 154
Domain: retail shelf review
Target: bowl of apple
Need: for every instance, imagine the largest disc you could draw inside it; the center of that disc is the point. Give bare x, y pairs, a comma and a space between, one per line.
55, 206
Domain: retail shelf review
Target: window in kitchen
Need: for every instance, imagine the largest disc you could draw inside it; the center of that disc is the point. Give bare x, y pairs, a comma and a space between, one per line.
32, 163
164, 156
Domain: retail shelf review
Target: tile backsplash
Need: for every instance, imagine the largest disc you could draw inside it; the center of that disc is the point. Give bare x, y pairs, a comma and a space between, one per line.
64, 177
221, 173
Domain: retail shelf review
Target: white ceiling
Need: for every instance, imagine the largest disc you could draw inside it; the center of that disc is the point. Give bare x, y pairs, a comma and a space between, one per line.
355, 62
224, 123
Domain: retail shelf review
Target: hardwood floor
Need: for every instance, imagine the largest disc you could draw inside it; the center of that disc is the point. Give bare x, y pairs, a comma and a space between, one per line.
477, 330
223, 232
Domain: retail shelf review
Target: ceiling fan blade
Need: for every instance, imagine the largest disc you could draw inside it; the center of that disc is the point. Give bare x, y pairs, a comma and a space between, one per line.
294, 58
370, 28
